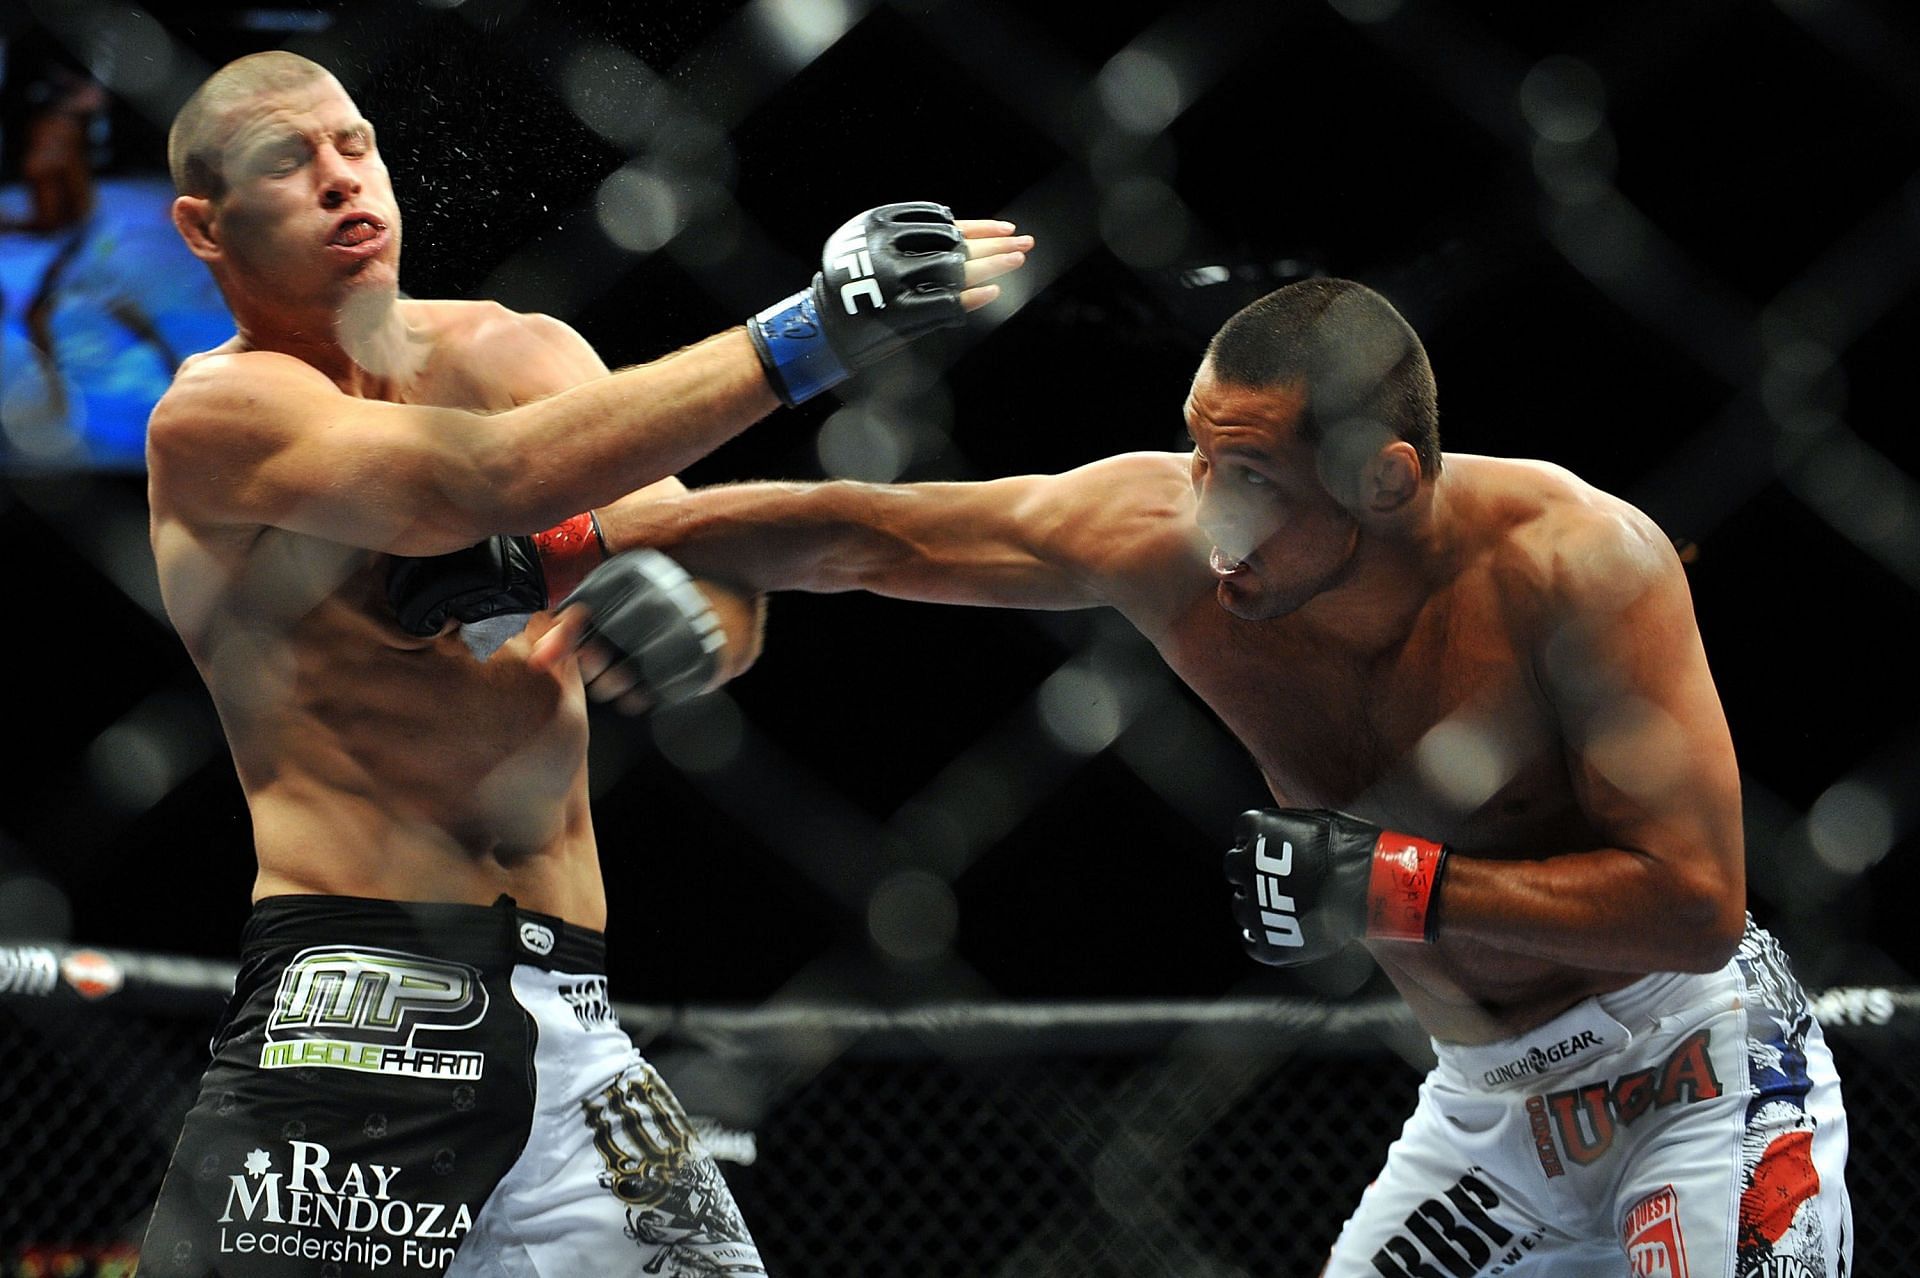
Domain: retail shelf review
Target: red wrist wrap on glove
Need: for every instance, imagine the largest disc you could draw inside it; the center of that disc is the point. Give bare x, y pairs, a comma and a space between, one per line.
1406, 870
568, 552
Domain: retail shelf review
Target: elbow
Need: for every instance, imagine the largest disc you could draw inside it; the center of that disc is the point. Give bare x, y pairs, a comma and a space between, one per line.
1710, 920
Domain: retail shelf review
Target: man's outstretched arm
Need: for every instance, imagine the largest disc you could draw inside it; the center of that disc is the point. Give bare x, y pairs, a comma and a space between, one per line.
257, 438
1098, 535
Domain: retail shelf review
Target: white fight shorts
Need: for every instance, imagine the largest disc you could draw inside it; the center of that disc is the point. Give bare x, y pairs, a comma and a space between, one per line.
434, 1089
1686, 1126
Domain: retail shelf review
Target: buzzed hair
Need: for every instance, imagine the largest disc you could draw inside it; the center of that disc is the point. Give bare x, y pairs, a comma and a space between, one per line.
194, 142
1364, 369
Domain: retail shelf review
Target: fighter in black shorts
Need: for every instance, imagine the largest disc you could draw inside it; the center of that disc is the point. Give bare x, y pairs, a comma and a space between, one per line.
420, 1070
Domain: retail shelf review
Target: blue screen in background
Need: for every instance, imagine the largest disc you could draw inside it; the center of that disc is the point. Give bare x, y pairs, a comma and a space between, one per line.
93, 321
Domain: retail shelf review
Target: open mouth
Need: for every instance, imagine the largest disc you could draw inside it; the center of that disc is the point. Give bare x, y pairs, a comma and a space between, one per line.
352, 232
1223, 564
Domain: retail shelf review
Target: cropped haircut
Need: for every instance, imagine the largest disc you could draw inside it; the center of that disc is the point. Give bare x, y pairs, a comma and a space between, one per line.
195, 140
1364, 370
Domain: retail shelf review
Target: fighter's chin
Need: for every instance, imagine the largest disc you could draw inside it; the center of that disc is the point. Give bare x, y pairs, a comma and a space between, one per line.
1241, 597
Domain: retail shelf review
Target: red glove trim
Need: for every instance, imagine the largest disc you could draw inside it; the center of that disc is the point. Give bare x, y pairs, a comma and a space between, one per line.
1400, 888
568, 552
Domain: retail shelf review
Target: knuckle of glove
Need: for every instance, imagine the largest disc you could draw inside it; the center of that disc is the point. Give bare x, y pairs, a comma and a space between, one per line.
920, 211
939, 242
664, 636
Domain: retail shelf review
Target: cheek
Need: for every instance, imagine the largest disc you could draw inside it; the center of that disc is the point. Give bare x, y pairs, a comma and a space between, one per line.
253, 223
1308, 540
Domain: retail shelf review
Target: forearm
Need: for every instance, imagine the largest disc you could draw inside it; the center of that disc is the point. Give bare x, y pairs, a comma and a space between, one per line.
590, 444
989, 544
1309, 880
1610, 909
815, 537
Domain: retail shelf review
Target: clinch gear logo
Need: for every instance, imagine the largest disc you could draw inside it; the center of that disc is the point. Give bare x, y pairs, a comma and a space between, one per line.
1540, 1059
360, 1009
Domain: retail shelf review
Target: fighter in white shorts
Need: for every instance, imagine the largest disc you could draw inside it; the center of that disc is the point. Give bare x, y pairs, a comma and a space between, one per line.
1692, 1122
1487, 651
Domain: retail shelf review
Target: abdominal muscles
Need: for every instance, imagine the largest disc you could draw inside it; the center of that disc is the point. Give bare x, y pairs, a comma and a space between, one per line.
415, 754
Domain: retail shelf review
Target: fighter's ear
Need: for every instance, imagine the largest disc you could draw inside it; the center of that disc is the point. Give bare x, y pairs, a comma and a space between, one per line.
193, 218
1391, 478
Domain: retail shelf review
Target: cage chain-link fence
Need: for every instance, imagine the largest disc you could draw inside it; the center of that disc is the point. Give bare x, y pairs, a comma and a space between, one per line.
1153, 1140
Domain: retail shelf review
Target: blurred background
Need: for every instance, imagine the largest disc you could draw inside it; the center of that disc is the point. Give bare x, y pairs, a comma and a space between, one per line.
1675, 252
1673, 248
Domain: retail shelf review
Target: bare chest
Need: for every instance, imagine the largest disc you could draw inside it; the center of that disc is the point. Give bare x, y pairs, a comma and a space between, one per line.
1446, 733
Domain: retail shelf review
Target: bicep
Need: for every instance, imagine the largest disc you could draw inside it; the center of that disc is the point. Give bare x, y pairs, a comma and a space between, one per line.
273, 443
1648, 747
1051, 542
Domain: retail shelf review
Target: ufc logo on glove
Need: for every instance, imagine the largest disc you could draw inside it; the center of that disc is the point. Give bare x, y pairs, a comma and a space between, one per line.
1277, 910
1337, 879
847, 252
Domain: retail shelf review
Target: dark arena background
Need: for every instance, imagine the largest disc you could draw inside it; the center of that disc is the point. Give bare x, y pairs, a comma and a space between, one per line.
923, 916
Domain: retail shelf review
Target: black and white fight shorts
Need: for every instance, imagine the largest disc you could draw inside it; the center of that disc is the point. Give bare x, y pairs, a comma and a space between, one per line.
1686, 1126
434, 1089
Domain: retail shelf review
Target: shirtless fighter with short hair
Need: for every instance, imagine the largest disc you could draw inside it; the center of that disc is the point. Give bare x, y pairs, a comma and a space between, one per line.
1478, 692
420, 1069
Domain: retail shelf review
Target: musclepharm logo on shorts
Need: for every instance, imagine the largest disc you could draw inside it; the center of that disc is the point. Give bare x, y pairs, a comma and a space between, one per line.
359, 1009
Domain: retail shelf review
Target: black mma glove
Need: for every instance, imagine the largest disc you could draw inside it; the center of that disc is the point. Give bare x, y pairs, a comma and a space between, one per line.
1308, 880
886, 277
493, 578
664, 633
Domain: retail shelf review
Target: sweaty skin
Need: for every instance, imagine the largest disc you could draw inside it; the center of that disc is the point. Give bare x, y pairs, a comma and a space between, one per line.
344, 423
1498, 656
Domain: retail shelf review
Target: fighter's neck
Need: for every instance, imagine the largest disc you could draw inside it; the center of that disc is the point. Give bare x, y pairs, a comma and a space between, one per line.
1394, 573
370, 351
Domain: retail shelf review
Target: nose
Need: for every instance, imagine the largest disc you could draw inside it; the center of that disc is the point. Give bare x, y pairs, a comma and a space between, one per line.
338, 181
1236, 524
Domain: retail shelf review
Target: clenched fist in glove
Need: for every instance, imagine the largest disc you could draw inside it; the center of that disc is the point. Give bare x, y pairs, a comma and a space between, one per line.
657, 629
1308, 880
498, 577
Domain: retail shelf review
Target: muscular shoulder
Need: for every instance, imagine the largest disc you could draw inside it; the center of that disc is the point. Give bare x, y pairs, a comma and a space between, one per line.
537, 353
213, 386
1568, 545
1128, 522
1123, 501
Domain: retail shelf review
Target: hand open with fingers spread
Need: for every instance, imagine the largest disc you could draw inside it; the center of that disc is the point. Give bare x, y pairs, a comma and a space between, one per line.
890, 275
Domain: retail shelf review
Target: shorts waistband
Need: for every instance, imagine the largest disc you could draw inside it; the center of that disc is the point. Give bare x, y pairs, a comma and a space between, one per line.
489, 937
1590, 1030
